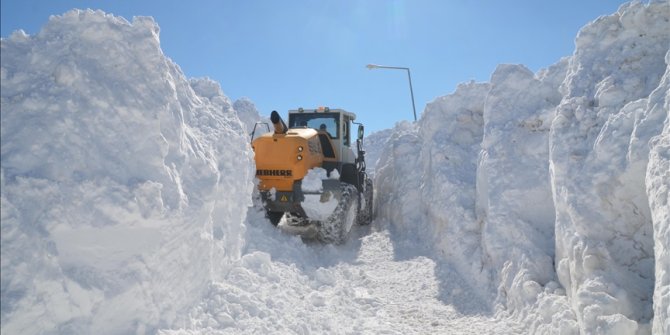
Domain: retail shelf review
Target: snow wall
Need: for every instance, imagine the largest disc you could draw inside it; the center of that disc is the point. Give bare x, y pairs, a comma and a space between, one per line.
551, 188
124, 185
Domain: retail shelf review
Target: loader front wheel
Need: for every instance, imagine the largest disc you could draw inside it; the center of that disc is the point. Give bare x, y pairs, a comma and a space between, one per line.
336, 228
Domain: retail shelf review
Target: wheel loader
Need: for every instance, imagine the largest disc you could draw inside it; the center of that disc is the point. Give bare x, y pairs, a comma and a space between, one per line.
315, 140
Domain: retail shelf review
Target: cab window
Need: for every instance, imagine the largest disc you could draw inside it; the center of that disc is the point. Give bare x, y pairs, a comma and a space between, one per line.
319, 121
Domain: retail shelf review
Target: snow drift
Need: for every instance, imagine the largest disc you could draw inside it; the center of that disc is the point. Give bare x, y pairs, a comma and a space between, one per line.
542, 187
122, 181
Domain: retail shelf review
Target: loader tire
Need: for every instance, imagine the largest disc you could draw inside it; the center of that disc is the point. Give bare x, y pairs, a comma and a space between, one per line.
336, 228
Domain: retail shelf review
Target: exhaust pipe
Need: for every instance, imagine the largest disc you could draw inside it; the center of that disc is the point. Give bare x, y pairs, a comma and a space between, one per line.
280, 126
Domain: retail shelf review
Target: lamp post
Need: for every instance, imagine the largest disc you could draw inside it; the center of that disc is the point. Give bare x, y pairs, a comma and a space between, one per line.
411, 91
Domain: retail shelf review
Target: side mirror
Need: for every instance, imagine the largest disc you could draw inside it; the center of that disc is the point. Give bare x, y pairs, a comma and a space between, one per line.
361, 131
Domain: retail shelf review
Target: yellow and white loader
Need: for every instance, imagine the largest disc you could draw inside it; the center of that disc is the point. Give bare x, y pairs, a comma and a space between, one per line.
316, 140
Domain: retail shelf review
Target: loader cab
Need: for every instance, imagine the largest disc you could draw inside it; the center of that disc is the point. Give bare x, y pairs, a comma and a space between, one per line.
333, 123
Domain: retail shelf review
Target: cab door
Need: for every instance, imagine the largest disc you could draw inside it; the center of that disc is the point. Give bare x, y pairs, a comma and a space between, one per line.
347, 152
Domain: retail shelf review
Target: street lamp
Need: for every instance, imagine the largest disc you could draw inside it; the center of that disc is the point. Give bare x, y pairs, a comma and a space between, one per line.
375, 66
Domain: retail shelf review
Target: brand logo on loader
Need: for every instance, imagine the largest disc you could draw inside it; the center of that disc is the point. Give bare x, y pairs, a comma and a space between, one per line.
274, 173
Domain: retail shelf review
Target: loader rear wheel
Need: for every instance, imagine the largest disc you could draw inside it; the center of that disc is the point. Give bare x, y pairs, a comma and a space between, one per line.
336, 228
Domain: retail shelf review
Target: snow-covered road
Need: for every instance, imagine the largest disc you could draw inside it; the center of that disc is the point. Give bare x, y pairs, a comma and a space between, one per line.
124, 189
366, 286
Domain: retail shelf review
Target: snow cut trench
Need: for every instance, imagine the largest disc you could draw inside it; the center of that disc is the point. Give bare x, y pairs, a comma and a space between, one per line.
364, 286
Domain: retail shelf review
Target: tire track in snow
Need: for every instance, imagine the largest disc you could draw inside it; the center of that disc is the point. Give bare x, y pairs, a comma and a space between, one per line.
309, 288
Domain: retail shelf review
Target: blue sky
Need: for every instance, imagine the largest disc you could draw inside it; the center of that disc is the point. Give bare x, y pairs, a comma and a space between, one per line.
288, 54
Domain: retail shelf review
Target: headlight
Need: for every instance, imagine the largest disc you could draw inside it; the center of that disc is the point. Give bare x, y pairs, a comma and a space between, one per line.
299, 157
300, 148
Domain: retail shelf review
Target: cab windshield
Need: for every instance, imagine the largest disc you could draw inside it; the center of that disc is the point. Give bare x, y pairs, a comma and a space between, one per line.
319, 121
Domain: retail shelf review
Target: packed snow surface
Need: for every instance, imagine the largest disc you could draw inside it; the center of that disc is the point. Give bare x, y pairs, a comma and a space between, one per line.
532, 203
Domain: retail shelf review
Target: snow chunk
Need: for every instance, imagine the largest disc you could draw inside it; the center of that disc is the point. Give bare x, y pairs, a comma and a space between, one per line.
312, 182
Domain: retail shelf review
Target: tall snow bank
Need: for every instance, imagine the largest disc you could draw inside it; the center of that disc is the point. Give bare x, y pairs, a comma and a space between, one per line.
425, 181
122, 181
599, 158
658, 189
374, 144
542, 186
479, 191
514, 193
